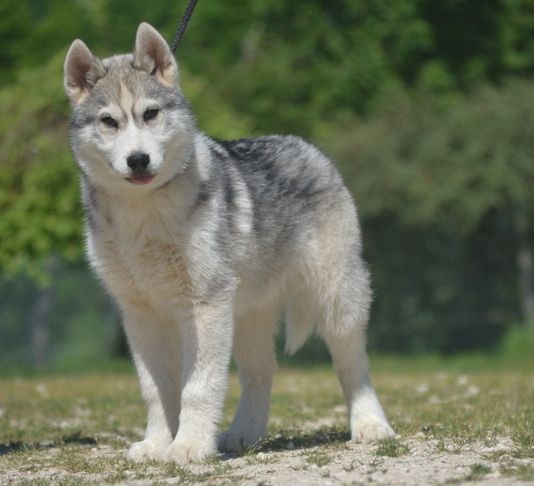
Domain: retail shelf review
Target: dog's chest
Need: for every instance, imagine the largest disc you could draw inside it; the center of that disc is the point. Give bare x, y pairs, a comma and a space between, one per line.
142, 262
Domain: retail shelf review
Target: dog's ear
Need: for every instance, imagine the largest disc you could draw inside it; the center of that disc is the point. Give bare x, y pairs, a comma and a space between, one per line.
81, 71
152, 54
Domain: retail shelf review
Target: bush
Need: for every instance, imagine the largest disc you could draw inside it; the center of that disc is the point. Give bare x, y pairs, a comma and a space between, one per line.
445, 197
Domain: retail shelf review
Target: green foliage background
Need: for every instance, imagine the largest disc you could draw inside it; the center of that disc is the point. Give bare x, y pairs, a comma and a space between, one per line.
426, 105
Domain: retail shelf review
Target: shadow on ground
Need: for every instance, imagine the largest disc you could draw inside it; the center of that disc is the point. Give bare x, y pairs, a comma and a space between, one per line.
302, 440
16, 446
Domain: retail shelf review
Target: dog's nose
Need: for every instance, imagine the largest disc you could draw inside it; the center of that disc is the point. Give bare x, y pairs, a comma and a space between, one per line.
138, 161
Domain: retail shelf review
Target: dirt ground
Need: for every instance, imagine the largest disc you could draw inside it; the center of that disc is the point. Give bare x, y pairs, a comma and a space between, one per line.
420, 461
453, 428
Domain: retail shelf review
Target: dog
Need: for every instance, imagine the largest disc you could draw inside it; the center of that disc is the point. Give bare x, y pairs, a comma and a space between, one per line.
203, 243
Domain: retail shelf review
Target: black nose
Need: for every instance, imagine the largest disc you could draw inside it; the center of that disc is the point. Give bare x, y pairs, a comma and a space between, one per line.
138, 161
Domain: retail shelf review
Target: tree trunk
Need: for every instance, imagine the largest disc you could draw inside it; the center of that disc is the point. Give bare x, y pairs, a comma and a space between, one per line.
39, 327
40, 317
525, 267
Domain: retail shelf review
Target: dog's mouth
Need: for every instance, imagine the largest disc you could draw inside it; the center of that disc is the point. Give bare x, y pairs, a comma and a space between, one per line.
140, 179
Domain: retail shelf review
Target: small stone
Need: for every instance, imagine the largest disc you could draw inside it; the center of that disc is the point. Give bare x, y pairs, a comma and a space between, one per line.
472, 391
290, 446
434, 399
461, 380
422, 388
42, 390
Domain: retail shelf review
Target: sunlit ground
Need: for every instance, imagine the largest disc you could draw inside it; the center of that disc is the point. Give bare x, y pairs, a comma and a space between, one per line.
79, 426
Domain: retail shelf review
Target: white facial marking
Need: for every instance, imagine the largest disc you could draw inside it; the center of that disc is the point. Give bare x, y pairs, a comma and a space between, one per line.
126, 101
143, 104
129, 138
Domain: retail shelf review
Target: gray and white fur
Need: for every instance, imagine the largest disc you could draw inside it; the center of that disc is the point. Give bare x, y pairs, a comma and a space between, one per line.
203, 243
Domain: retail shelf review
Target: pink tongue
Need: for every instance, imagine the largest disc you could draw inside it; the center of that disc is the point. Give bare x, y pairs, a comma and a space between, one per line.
145, 179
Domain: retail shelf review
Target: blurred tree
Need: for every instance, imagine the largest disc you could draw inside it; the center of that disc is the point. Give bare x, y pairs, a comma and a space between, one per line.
290, 66
15, 24
445, 195
517, 37
466, 36
318, 60
39, 199
414, 97
56, 23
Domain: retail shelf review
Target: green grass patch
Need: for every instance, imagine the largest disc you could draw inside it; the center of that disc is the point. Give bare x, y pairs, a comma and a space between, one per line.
523, 472
478, 471
524, 438
391, 447
318, 458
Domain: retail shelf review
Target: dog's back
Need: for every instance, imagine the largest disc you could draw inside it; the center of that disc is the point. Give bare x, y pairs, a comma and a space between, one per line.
301, 227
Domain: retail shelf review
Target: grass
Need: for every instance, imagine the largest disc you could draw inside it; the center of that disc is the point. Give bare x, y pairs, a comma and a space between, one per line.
523, 472
391, 448
81, 425
319, 458
478, 471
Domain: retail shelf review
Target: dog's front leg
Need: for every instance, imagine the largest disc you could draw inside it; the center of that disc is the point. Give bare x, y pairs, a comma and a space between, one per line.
155, 346
206, 348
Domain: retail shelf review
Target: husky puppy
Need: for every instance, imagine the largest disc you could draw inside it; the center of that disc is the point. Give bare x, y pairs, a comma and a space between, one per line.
202, 243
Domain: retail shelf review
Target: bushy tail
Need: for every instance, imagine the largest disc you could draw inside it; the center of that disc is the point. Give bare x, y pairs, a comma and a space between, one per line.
337, 310
299, 323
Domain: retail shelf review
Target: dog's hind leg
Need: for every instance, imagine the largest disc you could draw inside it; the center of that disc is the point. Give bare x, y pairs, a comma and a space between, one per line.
367, 419
343, 328
254, 353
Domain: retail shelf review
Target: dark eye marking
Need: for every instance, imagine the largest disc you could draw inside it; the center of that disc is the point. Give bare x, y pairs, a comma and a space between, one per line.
150, 114
109, 121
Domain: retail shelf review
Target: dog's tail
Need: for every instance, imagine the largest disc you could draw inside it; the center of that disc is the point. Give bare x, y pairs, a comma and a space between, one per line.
299, 324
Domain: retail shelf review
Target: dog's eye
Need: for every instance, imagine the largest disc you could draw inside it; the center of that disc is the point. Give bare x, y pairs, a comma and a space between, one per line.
109, 121
150, 114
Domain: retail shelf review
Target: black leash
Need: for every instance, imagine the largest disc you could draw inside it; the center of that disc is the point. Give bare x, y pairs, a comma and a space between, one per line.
183, 25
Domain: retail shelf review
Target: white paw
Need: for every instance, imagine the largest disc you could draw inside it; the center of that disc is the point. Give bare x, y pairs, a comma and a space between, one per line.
370, 429
183, 452
230, 441
147, 450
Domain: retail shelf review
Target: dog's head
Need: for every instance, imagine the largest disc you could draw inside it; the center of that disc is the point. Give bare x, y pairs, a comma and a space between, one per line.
130, 124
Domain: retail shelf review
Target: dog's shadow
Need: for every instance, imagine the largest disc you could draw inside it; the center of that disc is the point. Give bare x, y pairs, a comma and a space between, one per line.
272, 443
295, 439
72, 439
